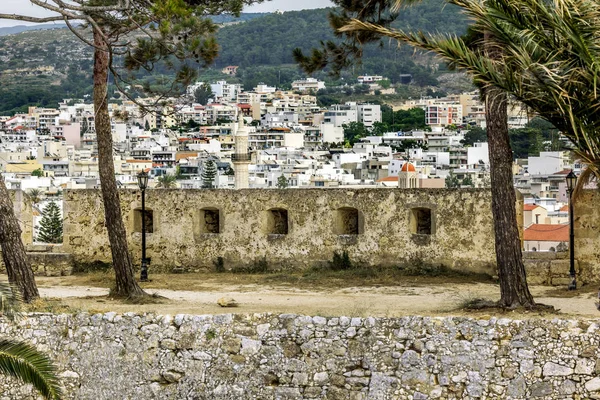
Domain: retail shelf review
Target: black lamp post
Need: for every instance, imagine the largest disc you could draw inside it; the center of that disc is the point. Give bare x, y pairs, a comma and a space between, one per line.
142, 178
571, 182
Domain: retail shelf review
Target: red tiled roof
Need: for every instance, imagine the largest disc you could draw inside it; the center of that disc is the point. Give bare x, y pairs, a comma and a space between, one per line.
563, 172
530, 207
564, 208
547, 233
388, 179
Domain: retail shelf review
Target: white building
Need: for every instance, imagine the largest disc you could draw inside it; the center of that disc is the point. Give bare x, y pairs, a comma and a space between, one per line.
226, 91
478, 154
341, 114
308, 84
548, 162
367, 79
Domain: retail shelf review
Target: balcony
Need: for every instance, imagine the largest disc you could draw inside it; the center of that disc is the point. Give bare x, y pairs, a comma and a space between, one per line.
241, 157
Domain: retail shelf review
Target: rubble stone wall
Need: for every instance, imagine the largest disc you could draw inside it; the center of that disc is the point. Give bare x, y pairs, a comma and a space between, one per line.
266, 356
382, 231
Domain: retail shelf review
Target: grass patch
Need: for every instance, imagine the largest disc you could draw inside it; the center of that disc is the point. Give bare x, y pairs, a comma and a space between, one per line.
48, 305
150, 298
564, 292
259, 266
96, 266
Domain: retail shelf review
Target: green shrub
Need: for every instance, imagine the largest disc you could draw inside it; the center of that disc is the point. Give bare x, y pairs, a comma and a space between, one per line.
340, 262
219, 265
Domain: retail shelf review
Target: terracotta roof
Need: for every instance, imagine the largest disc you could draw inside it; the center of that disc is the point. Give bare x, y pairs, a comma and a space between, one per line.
547, 233
530, 207
408, 167
180, 156
564, 208
388, 179
563, 172
131, 161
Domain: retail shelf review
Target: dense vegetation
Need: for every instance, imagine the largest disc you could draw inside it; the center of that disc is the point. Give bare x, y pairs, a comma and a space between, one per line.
262, 47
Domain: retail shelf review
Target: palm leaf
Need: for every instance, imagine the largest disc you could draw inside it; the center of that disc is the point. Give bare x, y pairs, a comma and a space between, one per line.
24, 362
549, 59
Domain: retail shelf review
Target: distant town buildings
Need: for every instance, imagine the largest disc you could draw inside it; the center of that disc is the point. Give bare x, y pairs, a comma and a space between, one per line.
258, 136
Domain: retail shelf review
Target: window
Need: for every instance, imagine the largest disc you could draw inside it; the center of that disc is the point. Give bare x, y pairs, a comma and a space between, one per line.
346, 221
210, 220
137, 220
277, 221
421, 222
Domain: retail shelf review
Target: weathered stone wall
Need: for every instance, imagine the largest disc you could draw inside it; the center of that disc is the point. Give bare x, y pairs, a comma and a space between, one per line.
265, 356
24, 212
548, 267
462, 235
587, 234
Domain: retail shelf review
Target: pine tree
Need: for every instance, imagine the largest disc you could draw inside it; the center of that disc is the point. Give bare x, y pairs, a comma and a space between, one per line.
282, 182
51, 225
208, 174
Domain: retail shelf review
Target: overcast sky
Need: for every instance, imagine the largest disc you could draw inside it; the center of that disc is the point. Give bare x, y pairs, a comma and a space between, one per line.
25, 8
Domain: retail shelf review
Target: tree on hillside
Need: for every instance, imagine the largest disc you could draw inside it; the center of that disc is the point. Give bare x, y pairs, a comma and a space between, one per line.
354, 131
203, 94
452, 181
526, 142
474, 135
361, 22
282, 182
209, 172
174, 32
51, 225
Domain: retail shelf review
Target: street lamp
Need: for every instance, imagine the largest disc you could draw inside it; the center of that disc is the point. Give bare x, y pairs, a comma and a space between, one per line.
571, 182
142, 178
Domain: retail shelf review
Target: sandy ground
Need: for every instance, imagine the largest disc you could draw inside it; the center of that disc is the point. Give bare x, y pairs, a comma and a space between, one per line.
435, 299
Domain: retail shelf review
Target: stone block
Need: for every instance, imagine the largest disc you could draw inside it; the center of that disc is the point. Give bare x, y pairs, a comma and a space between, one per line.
560, 268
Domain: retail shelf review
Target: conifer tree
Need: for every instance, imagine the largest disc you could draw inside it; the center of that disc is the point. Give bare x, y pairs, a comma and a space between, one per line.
51, 225
282, 182
208, 174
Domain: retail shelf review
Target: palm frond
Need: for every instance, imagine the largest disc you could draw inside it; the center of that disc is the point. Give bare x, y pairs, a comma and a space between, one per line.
546, 55
22, 361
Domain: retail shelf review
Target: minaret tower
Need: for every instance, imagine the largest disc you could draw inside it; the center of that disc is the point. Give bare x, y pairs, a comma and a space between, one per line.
241, 158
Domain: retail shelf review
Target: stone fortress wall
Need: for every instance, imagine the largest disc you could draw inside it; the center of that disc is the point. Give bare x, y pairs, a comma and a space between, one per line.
267, 356
291, 228
299, 228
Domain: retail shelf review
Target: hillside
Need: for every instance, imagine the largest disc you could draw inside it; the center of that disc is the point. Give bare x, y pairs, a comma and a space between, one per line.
44, 66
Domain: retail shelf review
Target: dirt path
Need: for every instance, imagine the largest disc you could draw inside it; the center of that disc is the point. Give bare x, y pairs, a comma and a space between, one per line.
432, 299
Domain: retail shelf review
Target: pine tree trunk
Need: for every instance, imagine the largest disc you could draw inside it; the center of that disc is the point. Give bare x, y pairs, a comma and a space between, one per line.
126, 284
14, 256
514, 291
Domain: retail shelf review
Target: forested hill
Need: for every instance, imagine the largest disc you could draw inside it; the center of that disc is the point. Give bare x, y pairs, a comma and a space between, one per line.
269, 40
45, 66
